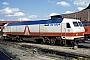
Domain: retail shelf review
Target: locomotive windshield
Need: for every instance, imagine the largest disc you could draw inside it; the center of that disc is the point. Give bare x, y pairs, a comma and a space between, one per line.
80, 24
75, 24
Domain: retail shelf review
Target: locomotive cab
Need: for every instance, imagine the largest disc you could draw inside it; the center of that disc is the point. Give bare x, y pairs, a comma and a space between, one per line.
72, 30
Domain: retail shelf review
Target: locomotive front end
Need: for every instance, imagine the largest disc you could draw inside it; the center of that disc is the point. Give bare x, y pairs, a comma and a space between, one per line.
79, 32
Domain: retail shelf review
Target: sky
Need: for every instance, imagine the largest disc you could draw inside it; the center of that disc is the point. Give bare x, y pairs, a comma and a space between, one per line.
38, 9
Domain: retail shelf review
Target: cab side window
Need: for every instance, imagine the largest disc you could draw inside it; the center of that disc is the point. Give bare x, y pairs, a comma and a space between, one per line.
68, 25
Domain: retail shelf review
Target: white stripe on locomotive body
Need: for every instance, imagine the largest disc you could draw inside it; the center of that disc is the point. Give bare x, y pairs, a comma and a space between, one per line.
49, 27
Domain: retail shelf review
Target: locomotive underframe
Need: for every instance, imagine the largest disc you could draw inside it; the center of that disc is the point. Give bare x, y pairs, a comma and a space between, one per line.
87, 36
53, 40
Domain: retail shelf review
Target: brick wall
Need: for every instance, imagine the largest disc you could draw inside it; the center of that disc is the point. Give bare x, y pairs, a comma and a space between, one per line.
83, 15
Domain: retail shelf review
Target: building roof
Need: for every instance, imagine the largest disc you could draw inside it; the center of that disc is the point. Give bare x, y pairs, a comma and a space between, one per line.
87, 7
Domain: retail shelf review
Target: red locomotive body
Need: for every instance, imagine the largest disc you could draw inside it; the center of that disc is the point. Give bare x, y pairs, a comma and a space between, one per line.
87, 29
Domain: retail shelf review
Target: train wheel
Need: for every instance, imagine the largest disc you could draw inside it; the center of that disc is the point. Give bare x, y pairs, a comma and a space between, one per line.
62, 42
42, 41
34, 41
47, 40
21, 39
17, 38
38, 41
57, 42
71, 43
2, 38
53, 41
75, 45
83, 41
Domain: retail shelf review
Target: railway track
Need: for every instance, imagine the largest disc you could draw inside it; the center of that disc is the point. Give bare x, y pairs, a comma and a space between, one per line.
86, 44
5, 55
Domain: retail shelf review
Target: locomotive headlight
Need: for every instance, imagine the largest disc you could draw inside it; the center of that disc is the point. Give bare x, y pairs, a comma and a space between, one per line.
76, 34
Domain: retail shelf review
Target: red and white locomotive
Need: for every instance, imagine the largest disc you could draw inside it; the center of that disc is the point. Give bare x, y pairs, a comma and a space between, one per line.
86, 25
53, 31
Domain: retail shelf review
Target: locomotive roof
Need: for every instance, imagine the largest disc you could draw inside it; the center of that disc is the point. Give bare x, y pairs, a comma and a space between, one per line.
59, 20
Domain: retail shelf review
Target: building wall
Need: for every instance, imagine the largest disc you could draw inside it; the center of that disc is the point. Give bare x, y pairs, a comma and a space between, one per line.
83, 15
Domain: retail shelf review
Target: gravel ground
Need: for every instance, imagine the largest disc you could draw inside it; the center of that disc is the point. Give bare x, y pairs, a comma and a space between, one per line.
25, 54
28, 53
81, 51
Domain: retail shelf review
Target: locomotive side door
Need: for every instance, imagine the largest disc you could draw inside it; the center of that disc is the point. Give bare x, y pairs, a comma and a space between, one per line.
68, 30
63, 30
68, 27
41, 30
